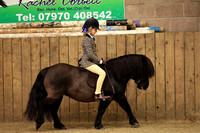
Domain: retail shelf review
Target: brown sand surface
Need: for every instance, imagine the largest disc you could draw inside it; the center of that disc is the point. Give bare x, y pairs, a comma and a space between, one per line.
111, 127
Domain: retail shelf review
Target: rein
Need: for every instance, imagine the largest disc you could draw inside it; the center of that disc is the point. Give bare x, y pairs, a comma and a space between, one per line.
109, 78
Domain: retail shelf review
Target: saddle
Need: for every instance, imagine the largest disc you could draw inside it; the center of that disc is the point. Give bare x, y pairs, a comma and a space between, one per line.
92, 78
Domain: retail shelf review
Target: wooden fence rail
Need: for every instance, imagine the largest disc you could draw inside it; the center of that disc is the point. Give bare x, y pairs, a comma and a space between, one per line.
173, 93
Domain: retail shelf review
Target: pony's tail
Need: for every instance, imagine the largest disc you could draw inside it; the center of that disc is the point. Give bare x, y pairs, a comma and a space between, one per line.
37, 93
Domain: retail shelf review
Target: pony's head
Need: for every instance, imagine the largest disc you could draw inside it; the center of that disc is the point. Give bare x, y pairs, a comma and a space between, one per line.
142, 83
132, 66
143, 71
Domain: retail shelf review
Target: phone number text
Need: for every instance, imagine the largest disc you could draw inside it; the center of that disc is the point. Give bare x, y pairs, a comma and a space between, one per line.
64, 16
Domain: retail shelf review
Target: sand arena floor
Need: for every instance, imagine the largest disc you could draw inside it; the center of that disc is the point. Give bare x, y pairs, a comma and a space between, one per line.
111, 127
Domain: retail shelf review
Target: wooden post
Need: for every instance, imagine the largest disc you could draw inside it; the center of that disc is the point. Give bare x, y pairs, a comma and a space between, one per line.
64, 58
73, 57
179, 75
112, 53
17, 78
141, 96
189, 75
150, 94
160, 77
169, 73
121, 50
26, 71
54, 48
45, 50
131, 86
1, 82
8, 86
197, 75
35, 58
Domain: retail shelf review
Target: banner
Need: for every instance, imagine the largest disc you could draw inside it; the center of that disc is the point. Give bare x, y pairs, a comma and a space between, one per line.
19, 11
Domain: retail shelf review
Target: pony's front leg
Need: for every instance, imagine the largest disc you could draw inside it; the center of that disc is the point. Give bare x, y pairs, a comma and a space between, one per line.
101, 110
122, 101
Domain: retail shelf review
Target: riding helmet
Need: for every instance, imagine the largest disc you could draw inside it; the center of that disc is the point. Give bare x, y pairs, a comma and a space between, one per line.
91, 22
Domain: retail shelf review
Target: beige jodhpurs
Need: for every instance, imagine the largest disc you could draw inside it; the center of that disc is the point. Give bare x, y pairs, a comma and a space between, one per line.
97, 70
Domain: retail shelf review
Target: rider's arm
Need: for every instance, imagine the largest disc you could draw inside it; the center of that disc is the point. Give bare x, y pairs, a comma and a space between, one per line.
90, 52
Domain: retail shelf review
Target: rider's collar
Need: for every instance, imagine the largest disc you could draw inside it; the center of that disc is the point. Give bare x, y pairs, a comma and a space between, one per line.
88, 35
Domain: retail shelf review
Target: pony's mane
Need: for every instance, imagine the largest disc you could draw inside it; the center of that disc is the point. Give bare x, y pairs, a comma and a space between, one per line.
132, 65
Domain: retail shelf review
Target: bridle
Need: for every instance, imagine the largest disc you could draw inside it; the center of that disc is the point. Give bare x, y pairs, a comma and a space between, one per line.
137, 81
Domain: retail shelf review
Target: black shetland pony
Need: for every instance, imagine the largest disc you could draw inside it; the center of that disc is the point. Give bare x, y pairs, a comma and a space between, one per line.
62, 79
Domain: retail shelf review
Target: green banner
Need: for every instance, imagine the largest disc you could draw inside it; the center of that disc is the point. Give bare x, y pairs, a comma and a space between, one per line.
19, 11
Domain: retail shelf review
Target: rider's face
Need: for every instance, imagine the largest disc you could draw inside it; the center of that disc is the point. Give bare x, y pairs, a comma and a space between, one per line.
93, 31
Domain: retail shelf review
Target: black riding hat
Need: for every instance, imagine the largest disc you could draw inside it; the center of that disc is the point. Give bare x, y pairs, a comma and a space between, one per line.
91, 22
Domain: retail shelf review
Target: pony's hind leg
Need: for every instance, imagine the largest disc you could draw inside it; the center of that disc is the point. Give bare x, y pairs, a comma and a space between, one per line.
40, 117
46, 106
54, 110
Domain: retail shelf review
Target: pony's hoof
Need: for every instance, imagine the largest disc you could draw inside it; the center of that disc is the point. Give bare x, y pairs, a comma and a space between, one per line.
61, 127
99, 127
136, 125
38, 126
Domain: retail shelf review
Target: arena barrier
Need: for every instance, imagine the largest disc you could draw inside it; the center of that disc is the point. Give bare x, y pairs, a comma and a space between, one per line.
173, 93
